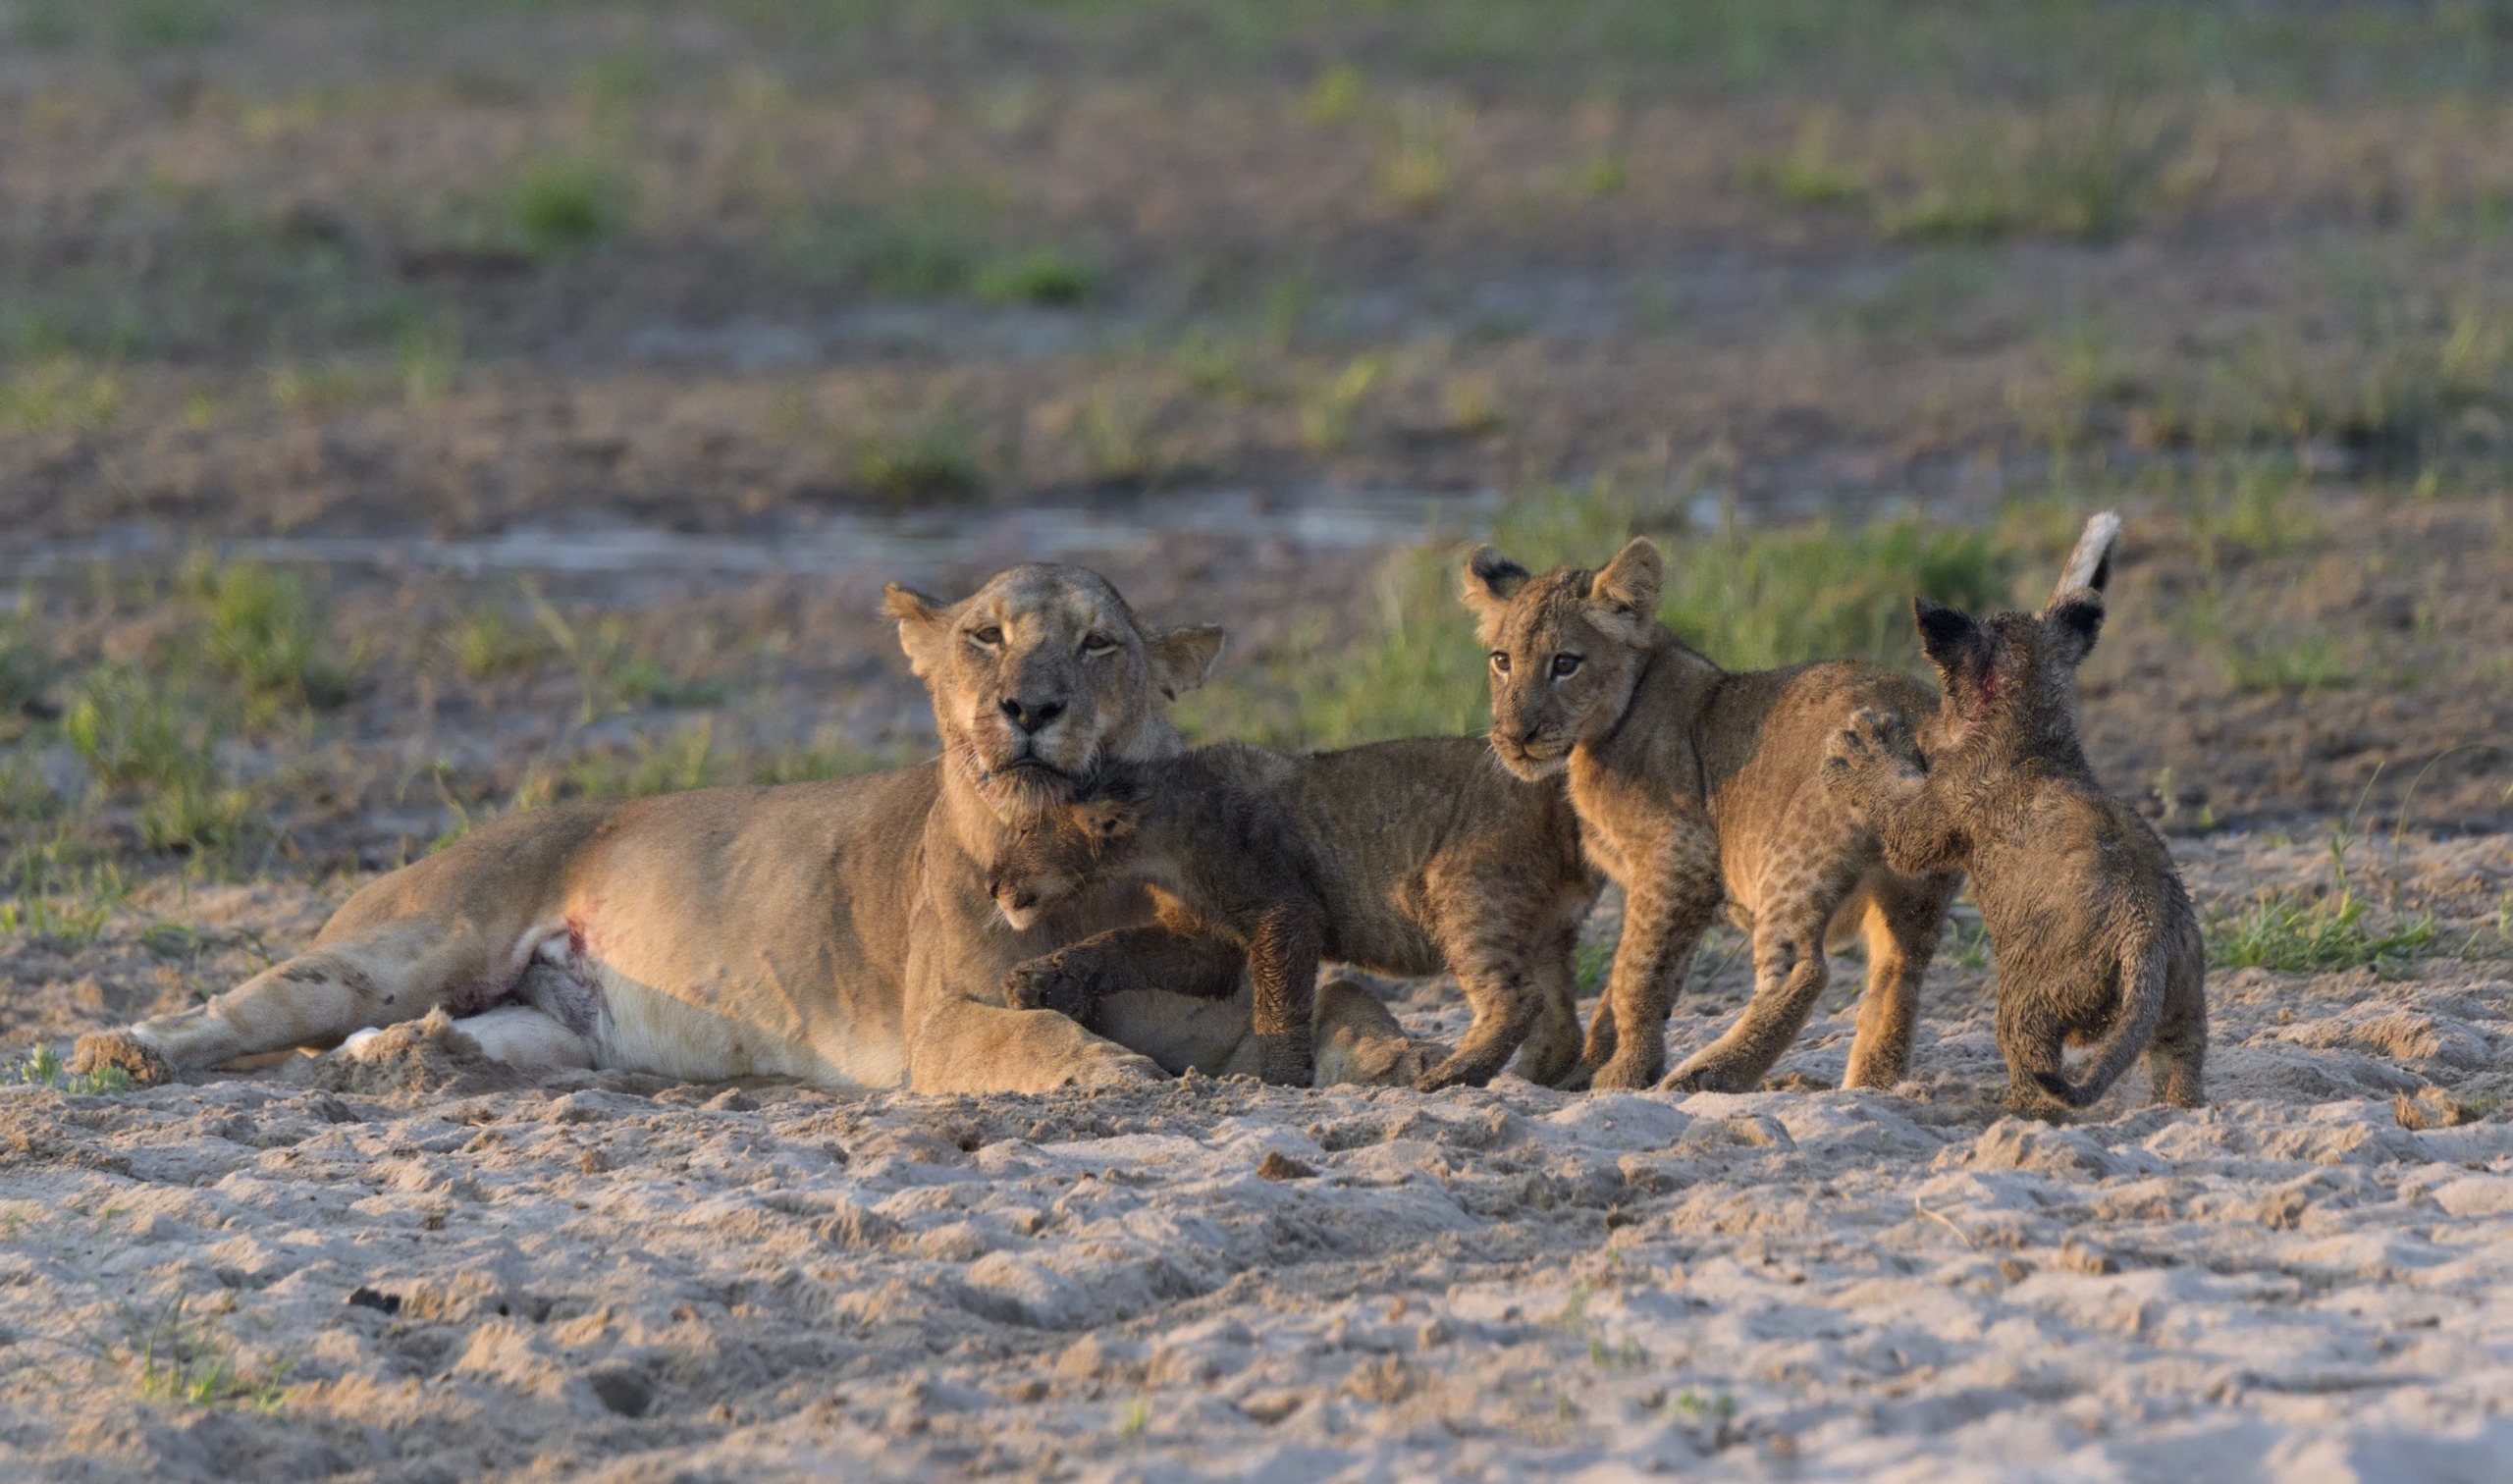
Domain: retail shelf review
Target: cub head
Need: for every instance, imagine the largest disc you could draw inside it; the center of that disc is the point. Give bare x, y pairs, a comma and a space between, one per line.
1040, 675
2015, 674
1563, 651
1055, 852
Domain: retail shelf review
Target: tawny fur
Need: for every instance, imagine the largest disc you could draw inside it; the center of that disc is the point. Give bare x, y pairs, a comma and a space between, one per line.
1694, 785
1407, 857
2094, 936
838, 932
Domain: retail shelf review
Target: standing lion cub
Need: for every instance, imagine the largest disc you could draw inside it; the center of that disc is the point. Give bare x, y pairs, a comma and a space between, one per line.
1695, 785
2092, 931
1408, 857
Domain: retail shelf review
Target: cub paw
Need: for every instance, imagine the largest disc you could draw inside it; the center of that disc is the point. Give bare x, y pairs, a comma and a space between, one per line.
1043, 983
120, 1049
1454, 1072
1630, 1074
1284, 1061
1707, 1076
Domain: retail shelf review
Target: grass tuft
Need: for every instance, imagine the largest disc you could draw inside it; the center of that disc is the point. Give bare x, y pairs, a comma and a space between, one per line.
564, 206
2279, 930
264, 631
44, 1068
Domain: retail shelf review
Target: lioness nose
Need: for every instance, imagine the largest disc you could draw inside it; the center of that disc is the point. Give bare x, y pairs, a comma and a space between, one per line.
1031, 715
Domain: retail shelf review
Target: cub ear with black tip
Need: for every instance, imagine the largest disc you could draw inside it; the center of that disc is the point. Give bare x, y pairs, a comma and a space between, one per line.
1947, 634
2074, 622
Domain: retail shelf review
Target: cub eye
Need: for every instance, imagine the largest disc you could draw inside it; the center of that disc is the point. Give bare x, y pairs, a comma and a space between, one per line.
985, 638
1500, 661
1098, 644
1563, 664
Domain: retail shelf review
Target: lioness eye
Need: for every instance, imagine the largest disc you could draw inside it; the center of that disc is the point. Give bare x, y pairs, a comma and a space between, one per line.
990, 636
1098, 644
1563, 664
1500, 661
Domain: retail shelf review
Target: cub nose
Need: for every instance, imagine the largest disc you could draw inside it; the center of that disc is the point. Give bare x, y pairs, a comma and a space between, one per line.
1031, 715
1528, 734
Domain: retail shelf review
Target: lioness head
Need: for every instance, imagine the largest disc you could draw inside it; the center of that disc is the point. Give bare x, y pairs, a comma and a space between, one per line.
1043, 674
1053, 854
1564, 648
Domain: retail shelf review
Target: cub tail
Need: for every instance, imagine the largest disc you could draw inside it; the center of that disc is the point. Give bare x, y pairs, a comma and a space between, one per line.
2142, 978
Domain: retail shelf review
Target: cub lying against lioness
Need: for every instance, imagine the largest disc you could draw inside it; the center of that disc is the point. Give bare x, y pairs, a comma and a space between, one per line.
2093, 934
1408, 858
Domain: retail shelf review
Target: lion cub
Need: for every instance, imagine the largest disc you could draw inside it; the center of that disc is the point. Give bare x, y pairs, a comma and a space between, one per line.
1408, 857
1694, 785
2092, 931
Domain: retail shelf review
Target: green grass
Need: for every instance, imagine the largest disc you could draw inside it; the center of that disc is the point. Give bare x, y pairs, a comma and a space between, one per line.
171, 1358
1042, 277
131, 730
56, 891
490, 643
2281, 931
44, 1068
59, 393
923, 458
2084, 170
265, 632
559, 206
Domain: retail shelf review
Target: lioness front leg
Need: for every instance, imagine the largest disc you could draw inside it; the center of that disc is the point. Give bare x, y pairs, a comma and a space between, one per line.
395, 971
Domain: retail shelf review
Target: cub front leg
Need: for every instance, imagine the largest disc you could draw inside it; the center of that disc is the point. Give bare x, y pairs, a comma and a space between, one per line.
1076, 977
1674, 891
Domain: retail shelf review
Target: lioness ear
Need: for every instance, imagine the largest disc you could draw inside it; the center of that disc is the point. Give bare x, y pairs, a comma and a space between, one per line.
2074, 622
1489, 580
1947, 634
1624, 595
1182, 658
924, 623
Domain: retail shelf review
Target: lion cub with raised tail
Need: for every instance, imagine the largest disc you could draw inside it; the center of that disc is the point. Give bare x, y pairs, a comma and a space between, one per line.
1695, 786
2095, 939
1408, 858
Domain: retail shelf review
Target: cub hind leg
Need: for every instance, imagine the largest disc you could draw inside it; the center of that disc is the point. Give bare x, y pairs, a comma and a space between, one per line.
1789, 974
1904, 920
1552, 1047
395, 969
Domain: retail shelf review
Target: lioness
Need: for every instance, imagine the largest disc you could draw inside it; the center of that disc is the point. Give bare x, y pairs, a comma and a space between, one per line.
1408, 858
838, 932
1693, 783
2093, 932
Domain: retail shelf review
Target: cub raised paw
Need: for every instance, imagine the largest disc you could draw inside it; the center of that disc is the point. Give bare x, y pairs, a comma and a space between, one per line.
1876, 743
1050, 984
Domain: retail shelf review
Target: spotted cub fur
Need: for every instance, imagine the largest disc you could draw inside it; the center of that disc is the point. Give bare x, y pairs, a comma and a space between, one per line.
1696, 785
1408, 858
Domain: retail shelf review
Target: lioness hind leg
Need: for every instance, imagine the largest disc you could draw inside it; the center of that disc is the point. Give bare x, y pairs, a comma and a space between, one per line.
521, 1037
395, 971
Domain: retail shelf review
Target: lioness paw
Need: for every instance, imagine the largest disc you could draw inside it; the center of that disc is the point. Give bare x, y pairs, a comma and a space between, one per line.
120, 1049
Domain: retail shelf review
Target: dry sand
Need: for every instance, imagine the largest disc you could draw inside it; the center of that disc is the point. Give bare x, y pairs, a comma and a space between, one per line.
420, 1266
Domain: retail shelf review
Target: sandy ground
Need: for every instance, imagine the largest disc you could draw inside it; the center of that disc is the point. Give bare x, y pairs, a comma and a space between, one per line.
424, 1269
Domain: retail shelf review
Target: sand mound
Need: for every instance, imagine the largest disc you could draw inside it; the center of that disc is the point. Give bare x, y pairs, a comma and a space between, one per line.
421, 1056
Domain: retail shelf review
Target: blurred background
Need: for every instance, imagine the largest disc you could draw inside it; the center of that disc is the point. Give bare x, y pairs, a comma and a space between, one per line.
414, 411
